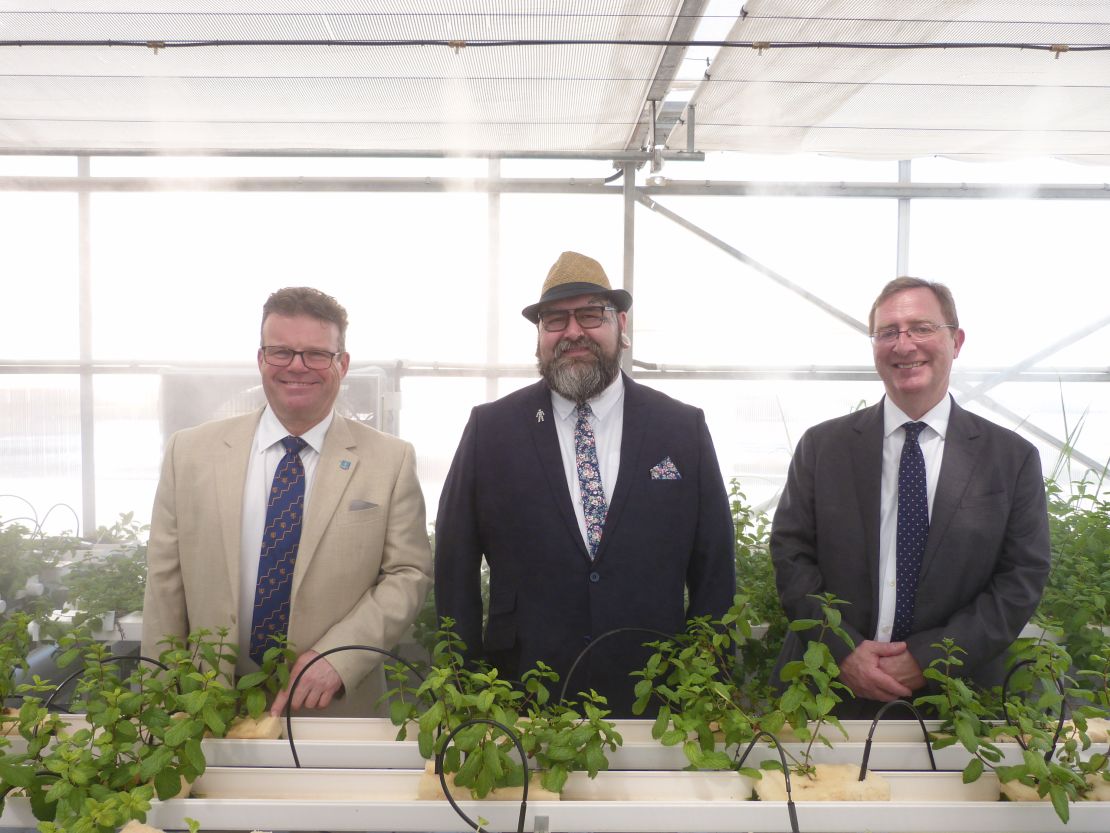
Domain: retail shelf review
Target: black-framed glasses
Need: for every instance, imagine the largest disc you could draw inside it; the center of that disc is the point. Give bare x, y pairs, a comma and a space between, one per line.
313, 359
589, 318
921, 331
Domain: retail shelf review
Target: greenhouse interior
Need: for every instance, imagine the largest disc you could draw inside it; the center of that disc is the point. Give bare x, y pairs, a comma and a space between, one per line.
607, 355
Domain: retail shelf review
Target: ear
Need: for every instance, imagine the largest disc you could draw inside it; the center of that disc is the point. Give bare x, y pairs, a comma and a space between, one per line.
958, 339
343, 362
260, 360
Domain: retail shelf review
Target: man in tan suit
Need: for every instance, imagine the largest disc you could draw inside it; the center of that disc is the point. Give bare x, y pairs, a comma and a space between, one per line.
362, 566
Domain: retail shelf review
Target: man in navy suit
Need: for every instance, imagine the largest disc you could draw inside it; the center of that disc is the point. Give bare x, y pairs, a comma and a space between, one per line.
840, 527
590, 519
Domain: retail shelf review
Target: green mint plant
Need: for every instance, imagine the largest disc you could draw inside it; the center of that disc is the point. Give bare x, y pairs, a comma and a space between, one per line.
1052, 768
812, 686
756, 575
481, 756
1077, 595
698, 683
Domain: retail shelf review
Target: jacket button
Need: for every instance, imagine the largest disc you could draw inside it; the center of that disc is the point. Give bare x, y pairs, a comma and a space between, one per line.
587, 639
595, 577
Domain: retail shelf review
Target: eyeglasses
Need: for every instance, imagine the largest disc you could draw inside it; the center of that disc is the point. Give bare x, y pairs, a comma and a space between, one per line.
921, 331
588, 318
313, 359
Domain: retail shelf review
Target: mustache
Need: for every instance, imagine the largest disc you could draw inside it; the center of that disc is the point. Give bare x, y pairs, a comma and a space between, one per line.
575, 343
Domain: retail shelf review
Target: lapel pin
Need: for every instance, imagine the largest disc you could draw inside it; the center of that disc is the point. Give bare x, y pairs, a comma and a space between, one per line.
539, 415
344, 464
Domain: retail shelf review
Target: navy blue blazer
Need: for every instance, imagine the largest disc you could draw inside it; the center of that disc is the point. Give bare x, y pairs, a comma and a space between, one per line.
506, 498
986, 559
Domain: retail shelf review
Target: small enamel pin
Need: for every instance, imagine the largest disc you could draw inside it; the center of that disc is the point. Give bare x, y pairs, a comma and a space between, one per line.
344, 464
539, 415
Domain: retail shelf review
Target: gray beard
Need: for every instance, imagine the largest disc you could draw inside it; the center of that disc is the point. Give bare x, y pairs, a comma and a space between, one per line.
580, 381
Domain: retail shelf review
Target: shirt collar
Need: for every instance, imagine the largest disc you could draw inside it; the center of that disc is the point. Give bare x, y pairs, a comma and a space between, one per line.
936, 417
271, 431
601, 404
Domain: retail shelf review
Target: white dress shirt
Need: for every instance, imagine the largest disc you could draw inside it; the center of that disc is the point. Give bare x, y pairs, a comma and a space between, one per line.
931, 441
266, 453
607, 423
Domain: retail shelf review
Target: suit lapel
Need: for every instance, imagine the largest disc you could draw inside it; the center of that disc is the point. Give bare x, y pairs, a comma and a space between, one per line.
540, 417
960, 453
867, 472
632, 440
328, 486
230, 482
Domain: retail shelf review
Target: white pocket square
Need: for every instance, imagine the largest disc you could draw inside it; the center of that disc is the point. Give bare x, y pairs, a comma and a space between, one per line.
356, 505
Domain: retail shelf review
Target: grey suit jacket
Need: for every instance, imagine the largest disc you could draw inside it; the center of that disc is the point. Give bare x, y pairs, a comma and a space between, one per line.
986, 560
363, 566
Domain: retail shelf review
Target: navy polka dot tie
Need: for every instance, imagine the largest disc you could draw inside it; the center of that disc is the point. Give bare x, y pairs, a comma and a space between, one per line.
280, 540
913, 528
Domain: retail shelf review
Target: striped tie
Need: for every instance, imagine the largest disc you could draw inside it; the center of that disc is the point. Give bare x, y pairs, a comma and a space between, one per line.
280, 540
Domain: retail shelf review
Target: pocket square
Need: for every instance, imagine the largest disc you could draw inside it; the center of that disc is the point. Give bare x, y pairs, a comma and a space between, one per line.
356, 505
665, 469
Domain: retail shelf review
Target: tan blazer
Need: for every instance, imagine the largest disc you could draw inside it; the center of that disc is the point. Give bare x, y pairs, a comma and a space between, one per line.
363, 567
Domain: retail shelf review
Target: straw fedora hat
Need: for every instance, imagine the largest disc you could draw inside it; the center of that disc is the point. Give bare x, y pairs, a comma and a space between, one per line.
574, 274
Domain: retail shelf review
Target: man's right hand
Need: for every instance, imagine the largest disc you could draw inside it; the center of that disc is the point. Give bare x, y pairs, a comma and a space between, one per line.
860, 671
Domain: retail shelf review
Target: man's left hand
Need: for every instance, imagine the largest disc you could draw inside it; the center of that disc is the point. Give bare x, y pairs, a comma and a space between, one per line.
316, 688
904, 668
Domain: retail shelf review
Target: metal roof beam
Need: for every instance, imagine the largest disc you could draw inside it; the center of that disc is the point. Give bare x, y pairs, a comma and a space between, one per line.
667, 114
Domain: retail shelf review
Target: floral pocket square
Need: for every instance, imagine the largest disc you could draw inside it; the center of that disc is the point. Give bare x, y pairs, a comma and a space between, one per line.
665, 469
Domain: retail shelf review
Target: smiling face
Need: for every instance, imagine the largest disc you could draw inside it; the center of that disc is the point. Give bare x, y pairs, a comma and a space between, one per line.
580, 363
301, 397
915, 373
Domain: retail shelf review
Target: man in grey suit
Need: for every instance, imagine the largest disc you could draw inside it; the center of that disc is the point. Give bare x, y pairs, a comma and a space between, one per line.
343, 558
595, 500
982, 546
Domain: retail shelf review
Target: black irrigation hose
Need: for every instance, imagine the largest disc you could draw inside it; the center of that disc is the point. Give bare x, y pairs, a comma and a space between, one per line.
1059, 722
790, 808
313, 661
759, 46
874, 726
593, 643
523, 762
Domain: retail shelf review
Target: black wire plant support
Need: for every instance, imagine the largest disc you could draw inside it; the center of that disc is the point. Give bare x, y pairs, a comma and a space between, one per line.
1060, 719
594, 643
49, 701
790, 806
313, 661
875, 725
81, 671
523, 762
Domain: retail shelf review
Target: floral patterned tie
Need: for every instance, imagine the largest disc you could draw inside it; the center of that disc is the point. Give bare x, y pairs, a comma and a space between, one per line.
280, 539
594, 506
913, 529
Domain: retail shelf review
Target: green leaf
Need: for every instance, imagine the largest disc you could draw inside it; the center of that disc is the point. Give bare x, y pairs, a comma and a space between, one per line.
554, 779
255, 703
252, 680
804, 624
672, 737
973, 770
180, 731
158, 760
1059, 798
167, 783
193, 755
17, 776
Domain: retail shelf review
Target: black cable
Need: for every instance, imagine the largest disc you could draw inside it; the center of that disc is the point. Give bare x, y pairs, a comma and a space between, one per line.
759, 46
